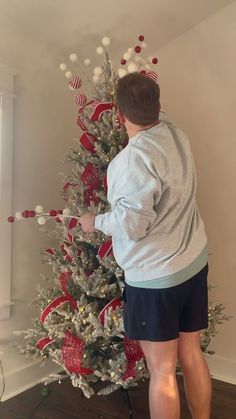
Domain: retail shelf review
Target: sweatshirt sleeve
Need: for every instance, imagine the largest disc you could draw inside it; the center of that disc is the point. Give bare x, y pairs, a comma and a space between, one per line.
133, 213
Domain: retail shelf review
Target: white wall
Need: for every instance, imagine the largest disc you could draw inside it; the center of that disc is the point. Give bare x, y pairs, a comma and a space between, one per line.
44, 129
197, 73
198, 90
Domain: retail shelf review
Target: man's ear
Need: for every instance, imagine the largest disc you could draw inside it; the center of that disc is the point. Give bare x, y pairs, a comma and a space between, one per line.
121, 117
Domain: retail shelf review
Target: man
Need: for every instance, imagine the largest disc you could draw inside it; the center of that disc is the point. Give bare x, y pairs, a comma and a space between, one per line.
159, 240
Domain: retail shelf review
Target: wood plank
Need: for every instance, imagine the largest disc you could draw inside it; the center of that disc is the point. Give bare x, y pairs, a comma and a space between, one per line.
66, 402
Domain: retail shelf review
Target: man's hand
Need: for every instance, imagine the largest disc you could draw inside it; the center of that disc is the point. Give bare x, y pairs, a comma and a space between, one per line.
87, 223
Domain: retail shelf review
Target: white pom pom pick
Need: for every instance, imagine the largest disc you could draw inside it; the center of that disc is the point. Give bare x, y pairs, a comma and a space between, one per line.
73, 57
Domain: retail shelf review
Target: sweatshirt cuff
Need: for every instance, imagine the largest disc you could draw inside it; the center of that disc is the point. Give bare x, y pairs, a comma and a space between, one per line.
98, 222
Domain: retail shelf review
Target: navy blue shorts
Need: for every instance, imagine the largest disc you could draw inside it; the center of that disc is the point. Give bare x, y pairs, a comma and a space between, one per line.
160, 314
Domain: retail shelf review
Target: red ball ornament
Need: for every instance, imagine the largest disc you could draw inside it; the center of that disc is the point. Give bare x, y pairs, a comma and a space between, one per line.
154, 60
53, 213
143, 72
25, 213
123, 61
32, 214
11, 219
137, 49
141, 38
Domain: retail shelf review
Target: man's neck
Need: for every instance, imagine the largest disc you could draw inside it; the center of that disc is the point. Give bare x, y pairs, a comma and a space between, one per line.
133, 129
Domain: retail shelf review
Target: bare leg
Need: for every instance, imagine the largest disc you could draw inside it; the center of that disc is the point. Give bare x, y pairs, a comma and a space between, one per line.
197, 379
161, 358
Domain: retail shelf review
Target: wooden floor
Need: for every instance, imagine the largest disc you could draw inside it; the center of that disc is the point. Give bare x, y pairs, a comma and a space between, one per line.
65, 402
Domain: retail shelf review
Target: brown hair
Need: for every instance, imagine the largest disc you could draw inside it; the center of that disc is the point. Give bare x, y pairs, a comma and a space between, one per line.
138, 98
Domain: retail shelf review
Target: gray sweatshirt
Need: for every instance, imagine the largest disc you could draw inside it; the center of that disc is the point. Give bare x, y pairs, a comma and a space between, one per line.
154, 222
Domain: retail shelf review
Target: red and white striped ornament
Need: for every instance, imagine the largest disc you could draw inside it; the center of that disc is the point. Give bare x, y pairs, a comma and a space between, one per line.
75, 83
152, 75
80, 99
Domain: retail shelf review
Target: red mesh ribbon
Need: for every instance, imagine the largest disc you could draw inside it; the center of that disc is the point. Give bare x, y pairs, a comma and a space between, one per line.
90, 176
72, 354
90, 197
133, 353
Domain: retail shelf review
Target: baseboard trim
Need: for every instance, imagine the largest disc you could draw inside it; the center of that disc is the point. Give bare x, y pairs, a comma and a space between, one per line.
26, 377
222, 369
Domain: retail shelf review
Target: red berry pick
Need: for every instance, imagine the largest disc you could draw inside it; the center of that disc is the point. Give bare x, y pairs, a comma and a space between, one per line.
154, 60
137, 49
141, 38
53, 213
11, 219
123, 61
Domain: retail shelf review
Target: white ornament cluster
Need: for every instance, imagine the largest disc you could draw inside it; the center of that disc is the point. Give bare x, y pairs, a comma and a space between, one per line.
73, 58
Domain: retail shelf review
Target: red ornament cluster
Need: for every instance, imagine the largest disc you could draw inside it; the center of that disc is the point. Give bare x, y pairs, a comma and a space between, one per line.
31, 214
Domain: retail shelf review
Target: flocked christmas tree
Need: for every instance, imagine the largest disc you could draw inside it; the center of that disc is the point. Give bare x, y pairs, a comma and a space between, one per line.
80, 326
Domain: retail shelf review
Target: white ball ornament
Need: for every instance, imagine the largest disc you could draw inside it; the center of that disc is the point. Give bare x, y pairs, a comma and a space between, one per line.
147, 66
87, 61
132, 67
62, 67
38, 209
121, 72
106, 41
73, 57
99, 50
97, 71
130, 50
18, 215
68, 74
41, 220
96, 78
66, 211
127, 56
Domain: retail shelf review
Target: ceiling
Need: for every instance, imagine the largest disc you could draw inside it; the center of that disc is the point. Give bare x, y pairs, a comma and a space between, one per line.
80, 25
